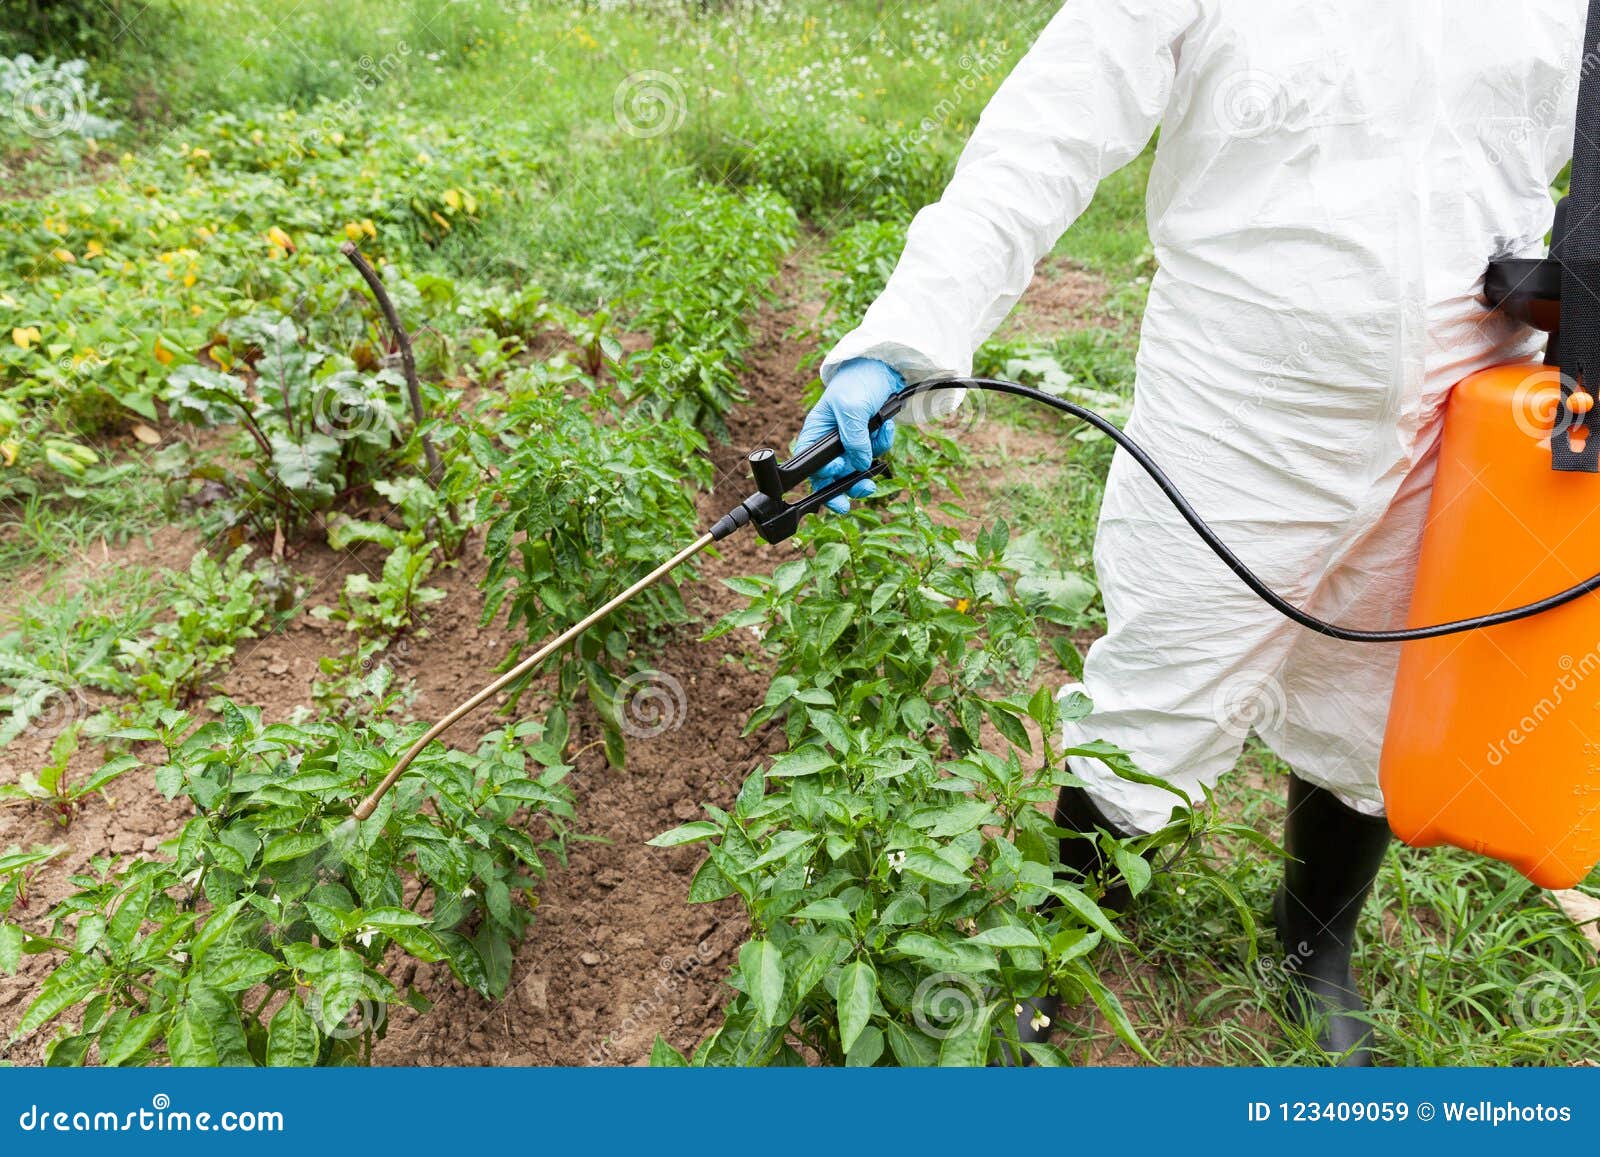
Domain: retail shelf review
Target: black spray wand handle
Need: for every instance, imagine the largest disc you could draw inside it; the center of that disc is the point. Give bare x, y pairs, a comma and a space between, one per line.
814, 457
770, 511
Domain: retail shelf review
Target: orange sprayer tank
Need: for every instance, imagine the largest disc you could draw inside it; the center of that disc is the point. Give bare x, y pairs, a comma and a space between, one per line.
1493, 741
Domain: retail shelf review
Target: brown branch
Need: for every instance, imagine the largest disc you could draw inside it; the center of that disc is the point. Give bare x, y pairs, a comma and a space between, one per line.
402, 339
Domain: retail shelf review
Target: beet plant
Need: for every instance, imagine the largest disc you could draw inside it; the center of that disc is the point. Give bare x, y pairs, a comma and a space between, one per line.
264, 938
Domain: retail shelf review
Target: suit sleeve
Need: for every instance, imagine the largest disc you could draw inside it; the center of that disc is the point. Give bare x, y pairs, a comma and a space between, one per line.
1082, 103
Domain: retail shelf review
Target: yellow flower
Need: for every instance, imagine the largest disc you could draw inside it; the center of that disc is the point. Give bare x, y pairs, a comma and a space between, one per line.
452, 198
8, 452
64, 256
279, 238
162, 353
962, 605
352, 230
94, 249
26, 336
368, 227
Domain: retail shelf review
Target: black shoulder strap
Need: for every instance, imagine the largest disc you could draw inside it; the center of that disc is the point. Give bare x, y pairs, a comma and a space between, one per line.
1576, 245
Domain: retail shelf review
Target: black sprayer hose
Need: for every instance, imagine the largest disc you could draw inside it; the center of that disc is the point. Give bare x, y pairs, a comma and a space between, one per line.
1262, 591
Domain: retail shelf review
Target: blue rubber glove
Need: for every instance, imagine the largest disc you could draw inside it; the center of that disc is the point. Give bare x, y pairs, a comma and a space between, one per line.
857, 391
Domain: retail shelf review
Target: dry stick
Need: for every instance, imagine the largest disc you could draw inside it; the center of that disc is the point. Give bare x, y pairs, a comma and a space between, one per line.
407, 362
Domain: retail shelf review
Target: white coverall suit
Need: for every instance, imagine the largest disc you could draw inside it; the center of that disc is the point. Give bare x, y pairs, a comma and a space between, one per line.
1331, 180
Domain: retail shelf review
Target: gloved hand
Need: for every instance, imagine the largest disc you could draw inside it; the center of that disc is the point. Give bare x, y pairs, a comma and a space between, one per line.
857, 391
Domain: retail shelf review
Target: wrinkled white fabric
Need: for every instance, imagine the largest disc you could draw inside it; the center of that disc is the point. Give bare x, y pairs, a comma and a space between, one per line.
1330, 182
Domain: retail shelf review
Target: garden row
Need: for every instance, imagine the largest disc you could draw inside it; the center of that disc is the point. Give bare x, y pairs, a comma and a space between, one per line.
894, 862
266, 932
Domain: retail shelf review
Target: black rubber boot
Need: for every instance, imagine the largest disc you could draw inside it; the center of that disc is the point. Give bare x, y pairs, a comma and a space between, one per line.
1080, 860
1334, 855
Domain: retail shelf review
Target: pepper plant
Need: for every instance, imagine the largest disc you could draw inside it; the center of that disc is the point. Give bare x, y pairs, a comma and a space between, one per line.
902, 902
582, 502
262, 939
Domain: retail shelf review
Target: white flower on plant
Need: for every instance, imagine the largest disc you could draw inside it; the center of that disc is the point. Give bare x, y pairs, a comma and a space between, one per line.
467, 893
365, 934
1016, 1010
277, 899
1039, 1022
897, 860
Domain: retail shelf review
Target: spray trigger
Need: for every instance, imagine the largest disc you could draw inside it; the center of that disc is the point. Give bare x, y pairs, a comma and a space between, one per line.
769, 509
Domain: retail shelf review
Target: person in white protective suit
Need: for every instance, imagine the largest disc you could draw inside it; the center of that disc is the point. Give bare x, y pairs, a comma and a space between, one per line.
1330, 182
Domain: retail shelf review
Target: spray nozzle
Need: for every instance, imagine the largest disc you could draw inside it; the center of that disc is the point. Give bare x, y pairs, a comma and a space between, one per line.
769, 509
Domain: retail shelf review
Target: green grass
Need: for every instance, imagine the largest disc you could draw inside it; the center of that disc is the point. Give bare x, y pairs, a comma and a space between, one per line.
47, 527
1463, 961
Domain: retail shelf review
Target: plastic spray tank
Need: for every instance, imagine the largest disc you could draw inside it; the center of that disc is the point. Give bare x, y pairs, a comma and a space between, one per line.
1493, 739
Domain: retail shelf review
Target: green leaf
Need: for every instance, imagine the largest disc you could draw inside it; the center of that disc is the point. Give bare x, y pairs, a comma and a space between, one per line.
910, 1047
189, 1040
68, 1051
123, 1037
290, 846
10, 948
807, 760
1111, 1008
686, 834
970, 1047
60, 991
664, 1056
1088, 909
783, 845
709, 885
233, 969
1006, 936
1135, 868
826, 911
292, 1037
920, 862
867, 1049
761, 964
858, 987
